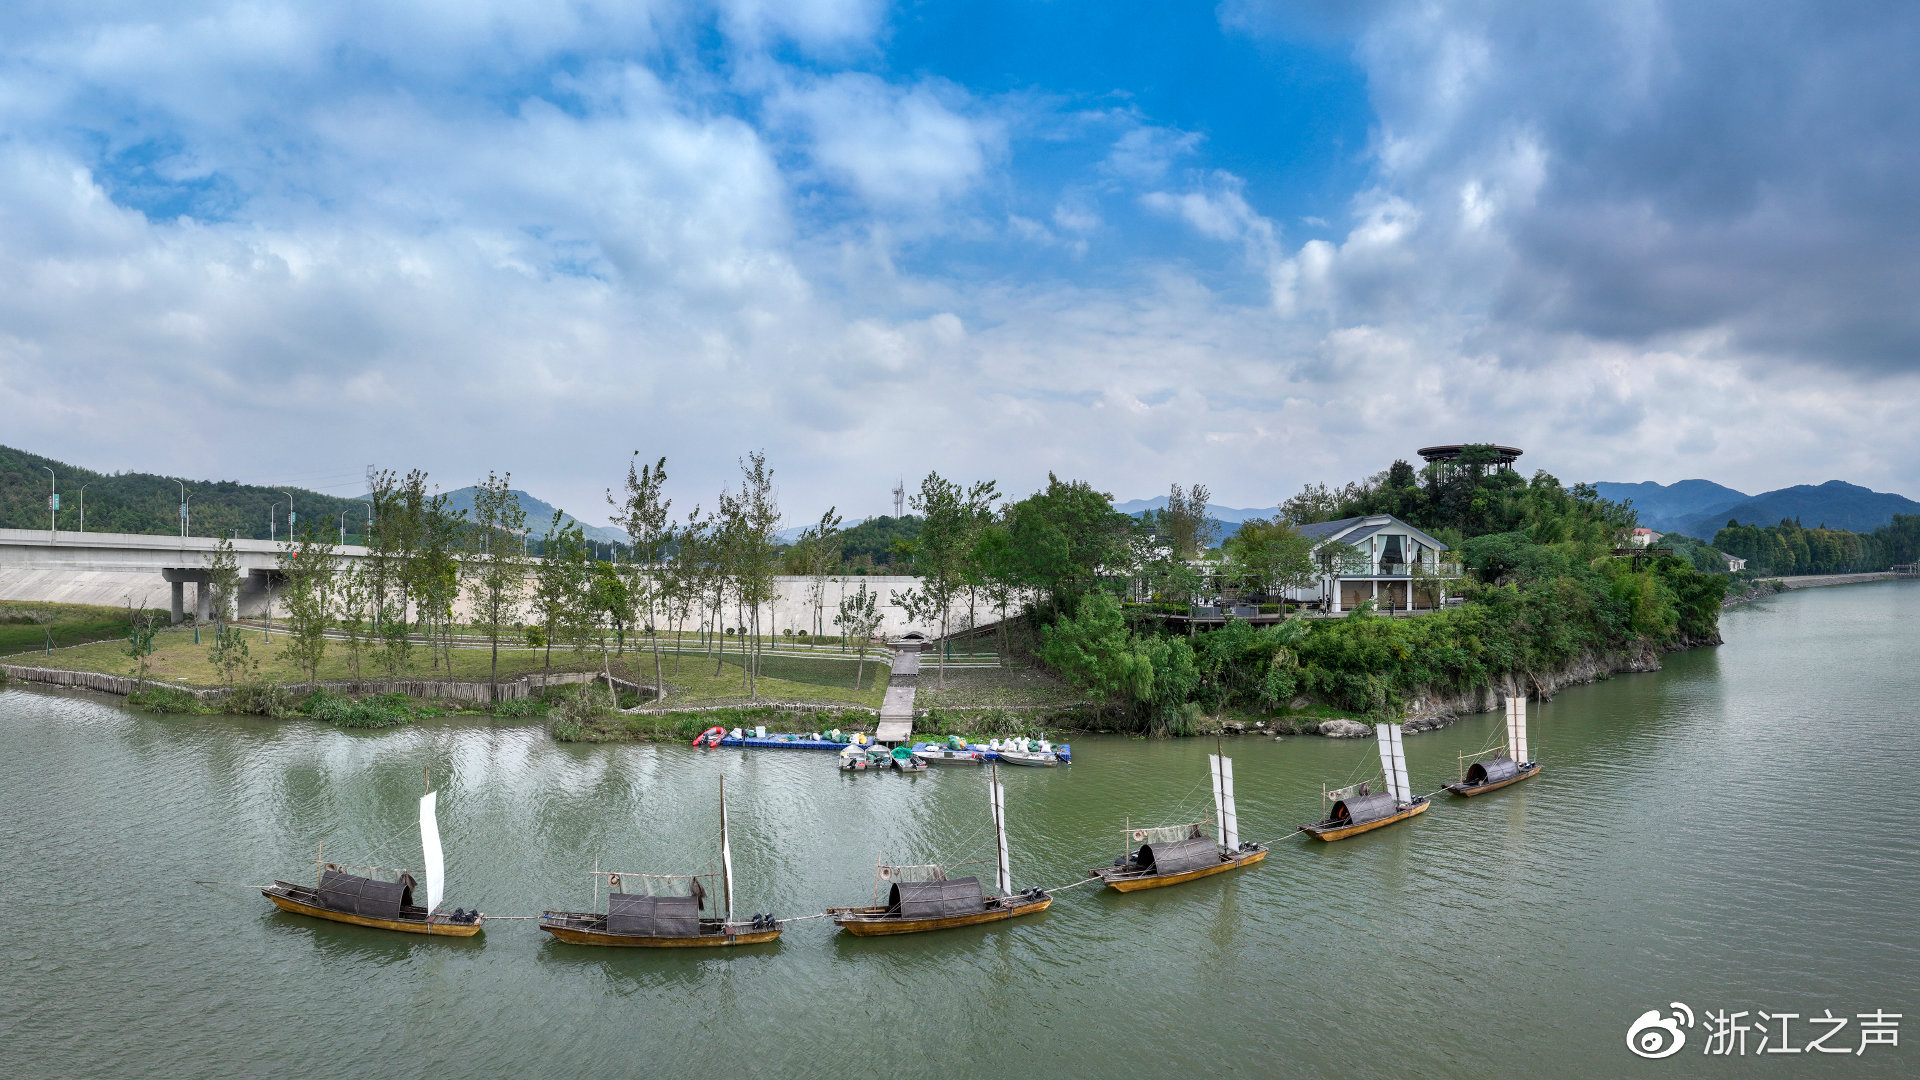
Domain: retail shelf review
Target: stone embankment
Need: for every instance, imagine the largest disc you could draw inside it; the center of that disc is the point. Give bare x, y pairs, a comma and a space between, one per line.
1763, 587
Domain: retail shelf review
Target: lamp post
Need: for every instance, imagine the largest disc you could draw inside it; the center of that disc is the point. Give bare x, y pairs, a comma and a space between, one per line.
290, 516
183, 506
273, 522
343, 527
83, 507
53, 503
186, 516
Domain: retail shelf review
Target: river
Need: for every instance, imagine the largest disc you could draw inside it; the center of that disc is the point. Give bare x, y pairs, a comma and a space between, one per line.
1735, 832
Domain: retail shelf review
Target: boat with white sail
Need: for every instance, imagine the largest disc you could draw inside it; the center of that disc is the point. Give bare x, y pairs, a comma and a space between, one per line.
1358, 808
923, 897
1173, 854
380, 898
664, 911
1500, 766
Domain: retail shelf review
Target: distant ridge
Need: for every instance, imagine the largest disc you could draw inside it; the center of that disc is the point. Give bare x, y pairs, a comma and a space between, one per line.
539, 516
1835, 504
1666, 507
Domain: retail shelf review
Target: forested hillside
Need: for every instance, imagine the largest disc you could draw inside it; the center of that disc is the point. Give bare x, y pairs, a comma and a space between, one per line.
147, 503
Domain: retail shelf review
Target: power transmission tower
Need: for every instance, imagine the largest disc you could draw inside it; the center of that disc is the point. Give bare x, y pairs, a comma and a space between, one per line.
900, 497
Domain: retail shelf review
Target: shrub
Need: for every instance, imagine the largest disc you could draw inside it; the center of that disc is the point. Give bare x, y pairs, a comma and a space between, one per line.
161, 699
520, 708
261, 698
378, 711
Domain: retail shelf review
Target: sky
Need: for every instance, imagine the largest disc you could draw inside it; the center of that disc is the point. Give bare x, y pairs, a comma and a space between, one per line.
1138, 243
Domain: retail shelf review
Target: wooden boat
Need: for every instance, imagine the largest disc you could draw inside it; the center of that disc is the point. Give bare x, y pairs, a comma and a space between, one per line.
663, 917
941, 903
1173, 855
1507, 765
1358, 809
365, 900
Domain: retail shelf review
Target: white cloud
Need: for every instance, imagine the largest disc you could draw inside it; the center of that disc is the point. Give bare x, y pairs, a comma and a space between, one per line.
898, 147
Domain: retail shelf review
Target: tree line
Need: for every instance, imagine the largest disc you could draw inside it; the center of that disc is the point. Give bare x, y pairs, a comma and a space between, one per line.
1792, 548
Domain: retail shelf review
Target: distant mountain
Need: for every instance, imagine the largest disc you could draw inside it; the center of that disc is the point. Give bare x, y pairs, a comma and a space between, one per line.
539, 516
1835, 504
1228, 515
1665, 507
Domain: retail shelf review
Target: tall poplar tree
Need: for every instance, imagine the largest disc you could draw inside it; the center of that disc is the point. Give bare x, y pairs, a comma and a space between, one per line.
642, 514
496, 569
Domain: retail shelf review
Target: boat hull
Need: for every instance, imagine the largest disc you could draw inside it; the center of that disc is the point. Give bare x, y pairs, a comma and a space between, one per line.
1036, 761
869, 922
1341, 832
950, 757
1470, 790
586, 935
290, 902
1121, 883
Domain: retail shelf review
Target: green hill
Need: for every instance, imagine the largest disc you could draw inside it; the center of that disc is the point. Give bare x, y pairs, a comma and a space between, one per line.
135, 502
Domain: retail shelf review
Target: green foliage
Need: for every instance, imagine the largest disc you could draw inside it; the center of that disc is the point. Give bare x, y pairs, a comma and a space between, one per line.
307, 567
878, 542
258, 697
520, 708
26, 627
1063, 539
376, 711
150, 504
164, 699
1790, 548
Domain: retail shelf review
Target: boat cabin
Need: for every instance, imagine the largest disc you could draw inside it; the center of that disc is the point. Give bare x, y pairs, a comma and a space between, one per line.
935, 899
1177, 857
653, 916
1362, 808
1492, 771
356, 895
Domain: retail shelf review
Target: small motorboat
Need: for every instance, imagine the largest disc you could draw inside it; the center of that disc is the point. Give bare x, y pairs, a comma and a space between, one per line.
904, 761
1037, 753
858, 758
954, 751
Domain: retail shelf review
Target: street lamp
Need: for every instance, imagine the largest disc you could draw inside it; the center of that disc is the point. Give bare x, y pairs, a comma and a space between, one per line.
273, 521
183, 507
53, 502
83, 506
290, 517
343, 527
186, 515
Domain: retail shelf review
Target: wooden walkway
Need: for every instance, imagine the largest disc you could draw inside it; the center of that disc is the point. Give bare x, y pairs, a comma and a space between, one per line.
896, 709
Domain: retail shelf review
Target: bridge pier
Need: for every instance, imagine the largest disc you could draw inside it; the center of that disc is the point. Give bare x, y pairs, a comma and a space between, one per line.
176, 614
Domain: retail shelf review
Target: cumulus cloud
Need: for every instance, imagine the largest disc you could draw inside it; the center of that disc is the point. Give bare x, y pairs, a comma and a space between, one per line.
237, 239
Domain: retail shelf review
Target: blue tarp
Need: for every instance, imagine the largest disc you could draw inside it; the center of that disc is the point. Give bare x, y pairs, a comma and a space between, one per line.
800, 742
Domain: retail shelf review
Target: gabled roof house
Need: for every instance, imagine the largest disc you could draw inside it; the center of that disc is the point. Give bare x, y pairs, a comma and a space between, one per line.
1378, 563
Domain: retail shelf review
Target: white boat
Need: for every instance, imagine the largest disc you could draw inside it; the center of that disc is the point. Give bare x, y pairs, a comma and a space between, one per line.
933, 754
1037, 753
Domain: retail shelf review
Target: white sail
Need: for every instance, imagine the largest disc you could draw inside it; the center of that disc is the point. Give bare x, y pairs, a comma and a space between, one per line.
1517, 727
1393, 762
1229, 816
430, 850
1219, 797
726, 851
1003, 869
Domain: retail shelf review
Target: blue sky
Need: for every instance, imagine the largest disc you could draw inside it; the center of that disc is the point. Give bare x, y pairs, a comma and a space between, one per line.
1251, 245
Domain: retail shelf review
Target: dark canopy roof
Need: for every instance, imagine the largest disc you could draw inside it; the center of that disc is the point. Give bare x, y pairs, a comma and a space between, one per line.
653, 916
1193, 853
358, 895
936, 899
1492, 771
1360, 809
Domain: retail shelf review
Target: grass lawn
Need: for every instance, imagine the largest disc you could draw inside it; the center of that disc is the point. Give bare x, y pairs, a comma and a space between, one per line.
975, 688
177, 659
24, 626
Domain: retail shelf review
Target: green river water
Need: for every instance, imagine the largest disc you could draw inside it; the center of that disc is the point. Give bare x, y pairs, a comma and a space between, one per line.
1736, 832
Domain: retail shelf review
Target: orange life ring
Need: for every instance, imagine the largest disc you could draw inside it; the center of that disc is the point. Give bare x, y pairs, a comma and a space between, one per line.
711, 736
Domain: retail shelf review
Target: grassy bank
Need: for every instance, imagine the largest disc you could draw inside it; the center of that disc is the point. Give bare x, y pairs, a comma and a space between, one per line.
25, 627
176, 658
